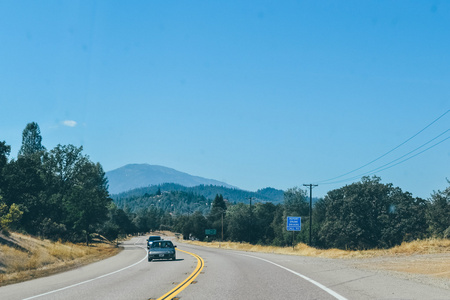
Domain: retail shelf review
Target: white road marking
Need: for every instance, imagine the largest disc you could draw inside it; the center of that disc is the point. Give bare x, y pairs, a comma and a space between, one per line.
329, 291
90, 280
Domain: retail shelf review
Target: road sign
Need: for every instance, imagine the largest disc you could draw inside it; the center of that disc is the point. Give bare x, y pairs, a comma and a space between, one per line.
210, 231
294, 224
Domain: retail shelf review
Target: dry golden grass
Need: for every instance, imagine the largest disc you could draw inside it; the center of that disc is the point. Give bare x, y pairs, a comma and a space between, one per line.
32, 258
429, 246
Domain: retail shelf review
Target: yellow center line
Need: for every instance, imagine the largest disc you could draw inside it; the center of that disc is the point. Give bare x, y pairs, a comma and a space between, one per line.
172, 293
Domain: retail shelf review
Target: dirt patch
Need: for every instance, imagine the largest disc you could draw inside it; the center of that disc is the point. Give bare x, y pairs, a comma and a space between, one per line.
431, 269
436, 265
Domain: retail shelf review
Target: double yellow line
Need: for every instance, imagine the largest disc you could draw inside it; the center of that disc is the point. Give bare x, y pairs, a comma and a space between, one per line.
172, 293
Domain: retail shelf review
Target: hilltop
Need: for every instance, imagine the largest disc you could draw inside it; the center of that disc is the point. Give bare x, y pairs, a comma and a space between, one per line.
134, 176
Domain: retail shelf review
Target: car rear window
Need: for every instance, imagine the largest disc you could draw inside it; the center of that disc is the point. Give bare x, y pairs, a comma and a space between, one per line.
154, 238
166, 244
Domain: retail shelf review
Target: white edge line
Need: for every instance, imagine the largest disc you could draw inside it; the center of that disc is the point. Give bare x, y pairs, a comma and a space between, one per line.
83, 282
329, 291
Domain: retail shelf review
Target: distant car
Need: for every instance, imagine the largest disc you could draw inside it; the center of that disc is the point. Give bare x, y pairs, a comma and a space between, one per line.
161, 250
151, 239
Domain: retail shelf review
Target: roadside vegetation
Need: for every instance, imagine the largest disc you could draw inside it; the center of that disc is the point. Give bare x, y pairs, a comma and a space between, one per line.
418, 247
23, 257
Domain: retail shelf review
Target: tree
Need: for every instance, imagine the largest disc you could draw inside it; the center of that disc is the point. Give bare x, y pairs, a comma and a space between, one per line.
199, 225
60, 168
238, 223
183, 226
217, 212
295, 203
370, 214
319, 217
5, 150
62, 162
118, 223
78, 191
217, 208
263, 215
88, 199
278, 226
24, 186
438, 213
9, 216
31, 140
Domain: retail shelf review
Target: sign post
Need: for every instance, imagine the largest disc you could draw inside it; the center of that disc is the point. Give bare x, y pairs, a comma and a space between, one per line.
294, 224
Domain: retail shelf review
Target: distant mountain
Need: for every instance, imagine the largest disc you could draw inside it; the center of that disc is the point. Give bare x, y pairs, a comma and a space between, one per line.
134, 176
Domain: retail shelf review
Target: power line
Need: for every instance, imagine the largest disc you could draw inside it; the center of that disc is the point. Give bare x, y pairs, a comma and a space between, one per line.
390, 151
386, 166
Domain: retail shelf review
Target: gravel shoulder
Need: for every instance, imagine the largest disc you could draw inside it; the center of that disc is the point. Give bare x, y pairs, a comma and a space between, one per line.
431, 269
426, 261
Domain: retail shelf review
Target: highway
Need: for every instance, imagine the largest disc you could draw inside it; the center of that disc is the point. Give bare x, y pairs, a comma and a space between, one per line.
206, 273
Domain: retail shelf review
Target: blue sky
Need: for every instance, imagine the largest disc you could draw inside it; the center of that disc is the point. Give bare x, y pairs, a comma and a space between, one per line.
253, 93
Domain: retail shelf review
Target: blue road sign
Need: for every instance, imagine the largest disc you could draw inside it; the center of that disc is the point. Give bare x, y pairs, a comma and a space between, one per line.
294, 224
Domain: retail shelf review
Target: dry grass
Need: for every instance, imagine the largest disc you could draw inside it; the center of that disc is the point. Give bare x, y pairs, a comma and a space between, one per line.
27, 257
429, 246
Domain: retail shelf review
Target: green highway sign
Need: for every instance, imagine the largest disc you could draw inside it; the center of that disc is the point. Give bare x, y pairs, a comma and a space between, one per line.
210, 231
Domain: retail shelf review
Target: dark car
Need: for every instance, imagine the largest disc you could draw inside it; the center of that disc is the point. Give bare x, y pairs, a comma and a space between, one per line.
151, 239
161, 250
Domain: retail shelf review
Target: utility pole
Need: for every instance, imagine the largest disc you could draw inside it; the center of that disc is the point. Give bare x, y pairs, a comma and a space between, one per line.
251, 222
310, 209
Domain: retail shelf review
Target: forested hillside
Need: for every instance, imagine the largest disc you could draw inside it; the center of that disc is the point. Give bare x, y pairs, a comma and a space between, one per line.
175, 202
207, 191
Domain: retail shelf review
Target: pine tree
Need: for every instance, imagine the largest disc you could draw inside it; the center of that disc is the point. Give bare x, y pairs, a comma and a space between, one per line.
31, 140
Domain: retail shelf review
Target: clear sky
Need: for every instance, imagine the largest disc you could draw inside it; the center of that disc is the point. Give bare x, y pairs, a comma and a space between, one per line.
254, 93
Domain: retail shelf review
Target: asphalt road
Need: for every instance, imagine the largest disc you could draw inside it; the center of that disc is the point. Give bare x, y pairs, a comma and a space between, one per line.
205, 273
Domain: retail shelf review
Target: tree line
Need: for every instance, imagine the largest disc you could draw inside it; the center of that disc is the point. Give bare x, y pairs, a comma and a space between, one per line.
61, 194
363, 215
57, 194
233, 195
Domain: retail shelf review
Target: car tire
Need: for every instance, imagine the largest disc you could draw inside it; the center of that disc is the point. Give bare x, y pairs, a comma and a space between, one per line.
149, 259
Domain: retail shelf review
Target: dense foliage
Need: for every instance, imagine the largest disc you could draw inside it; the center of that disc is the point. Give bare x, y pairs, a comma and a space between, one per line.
438, 213
61, 194
58, 194
370, 214
207, 191
175, 202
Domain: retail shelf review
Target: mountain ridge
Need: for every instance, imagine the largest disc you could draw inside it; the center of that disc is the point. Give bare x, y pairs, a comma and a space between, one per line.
133, 176
233, 195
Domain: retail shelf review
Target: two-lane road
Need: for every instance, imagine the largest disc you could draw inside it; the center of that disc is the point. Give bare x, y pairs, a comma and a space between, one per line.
247, 275
127, 275
225, 275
